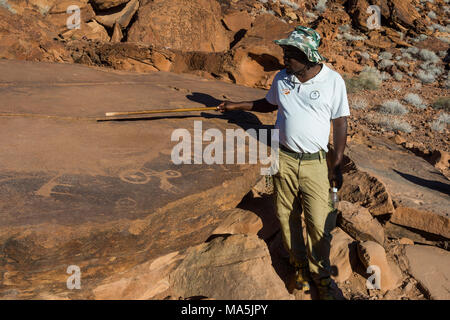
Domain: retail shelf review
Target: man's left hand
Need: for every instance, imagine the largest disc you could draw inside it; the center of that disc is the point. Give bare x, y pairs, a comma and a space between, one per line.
335, 177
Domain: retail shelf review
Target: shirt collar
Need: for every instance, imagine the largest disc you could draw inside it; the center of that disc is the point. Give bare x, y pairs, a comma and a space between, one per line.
292, 78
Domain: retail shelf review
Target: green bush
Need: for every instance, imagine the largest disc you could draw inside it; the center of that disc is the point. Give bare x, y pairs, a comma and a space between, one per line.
368, 79
442, 103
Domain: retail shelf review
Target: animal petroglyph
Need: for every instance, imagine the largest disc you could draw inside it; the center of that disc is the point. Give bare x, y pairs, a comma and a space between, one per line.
125, 204
46, 189
144, 175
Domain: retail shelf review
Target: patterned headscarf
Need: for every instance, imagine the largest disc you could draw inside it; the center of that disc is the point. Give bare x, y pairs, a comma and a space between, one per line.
305, 39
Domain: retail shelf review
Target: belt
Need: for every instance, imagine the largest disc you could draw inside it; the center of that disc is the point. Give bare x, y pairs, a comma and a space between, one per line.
304, 156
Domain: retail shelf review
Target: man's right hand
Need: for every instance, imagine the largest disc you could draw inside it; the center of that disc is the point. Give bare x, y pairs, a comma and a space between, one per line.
229, 106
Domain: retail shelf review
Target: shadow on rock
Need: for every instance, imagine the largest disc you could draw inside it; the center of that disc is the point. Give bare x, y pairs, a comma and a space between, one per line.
434, 185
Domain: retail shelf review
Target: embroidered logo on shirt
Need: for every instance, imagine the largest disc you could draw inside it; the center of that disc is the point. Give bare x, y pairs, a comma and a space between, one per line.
314, 95
286, 91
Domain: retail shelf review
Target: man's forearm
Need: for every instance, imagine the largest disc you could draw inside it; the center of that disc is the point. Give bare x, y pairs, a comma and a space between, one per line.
339, 140
261, 105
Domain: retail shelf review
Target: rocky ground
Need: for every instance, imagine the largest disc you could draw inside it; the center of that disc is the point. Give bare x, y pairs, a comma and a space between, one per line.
73, 199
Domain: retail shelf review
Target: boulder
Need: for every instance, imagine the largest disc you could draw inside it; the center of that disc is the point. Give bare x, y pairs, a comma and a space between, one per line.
188, 25
23, 6
256, 59
237, 21
431, 267
423, 220
404, 15
123, 17
399, 13
364, 189
91, 31
342, 255
141, 282
233, 268
111, 198
106, 4
29, 37
238, 221
419, 190
58, 13
359, 223
440, 159
406, 241
117, 33
371, 253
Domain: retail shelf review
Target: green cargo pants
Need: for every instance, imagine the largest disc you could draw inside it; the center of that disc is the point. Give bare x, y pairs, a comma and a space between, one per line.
301, 184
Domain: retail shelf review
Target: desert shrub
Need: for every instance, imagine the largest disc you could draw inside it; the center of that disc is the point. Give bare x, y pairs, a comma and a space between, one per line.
385, 55
444, 39
401, 63
365, 55
310, 15
412, 50
383, 64
350, 37
407, 56
392, 107
321, 5
415, 100
358, 103
389, 123
392, 124
385, 76
345, 28
369, 78
425, 77
442, 103
6, 5
447, 83
290, 4
436, 26
427, 55
421, 37
398, 76
441, 123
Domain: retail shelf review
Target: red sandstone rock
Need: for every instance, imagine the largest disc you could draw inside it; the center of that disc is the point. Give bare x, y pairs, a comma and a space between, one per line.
359, 223
200, 28
373, 254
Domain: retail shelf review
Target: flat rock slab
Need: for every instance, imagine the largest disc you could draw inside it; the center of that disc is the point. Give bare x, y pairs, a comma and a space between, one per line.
420, 192
104, 195
431, 267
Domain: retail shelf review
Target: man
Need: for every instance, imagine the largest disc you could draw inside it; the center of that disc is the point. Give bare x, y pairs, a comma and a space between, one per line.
308, 96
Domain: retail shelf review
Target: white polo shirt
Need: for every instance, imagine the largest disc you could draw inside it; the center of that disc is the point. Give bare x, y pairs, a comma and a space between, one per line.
306, 109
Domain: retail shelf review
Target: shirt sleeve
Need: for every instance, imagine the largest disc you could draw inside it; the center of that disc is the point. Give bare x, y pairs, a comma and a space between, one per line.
272, 95
340, 106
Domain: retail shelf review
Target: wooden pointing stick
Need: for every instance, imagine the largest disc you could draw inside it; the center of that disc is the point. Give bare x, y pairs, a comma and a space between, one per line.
112, 114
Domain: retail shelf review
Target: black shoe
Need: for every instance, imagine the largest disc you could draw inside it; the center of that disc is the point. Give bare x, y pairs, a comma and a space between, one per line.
325, 289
